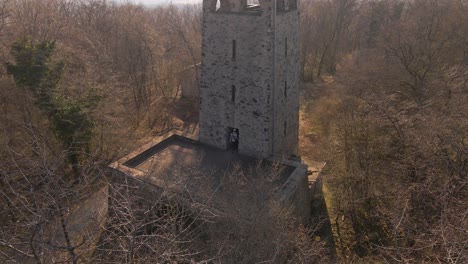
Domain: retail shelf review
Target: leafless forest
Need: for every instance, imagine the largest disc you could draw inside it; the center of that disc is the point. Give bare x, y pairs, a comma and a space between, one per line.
384, 103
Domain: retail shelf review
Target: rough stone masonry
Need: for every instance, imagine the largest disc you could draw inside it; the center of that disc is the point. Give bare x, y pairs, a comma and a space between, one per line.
250, 76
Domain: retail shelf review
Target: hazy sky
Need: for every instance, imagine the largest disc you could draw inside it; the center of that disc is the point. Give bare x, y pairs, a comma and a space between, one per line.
156, 2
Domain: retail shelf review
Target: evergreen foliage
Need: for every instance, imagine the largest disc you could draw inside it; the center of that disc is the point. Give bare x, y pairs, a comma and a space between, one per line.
70, 119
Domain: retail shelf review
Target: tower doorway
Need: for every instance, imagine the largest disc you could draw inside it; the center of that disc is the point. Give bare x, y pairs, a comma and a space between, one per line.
232, 138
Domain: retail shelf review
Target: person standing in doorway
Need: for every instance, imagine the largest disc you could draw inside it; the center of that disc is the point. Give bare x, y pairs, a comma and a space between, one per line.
234, 139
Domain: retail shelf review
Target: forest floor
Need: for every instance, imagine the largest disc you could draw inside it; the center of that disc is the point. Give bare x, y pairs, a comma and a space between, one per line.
308, 147
184, 114
317, 104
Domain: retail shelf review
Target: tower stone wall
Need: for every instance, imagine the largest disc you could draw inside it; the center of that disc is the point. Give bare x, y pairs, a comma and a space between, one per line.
250, 71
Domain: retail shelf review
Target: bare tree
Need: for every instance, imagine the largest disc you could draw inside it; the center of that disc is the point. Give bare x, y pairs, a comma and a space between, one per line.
198, 215
389, 120
325, 23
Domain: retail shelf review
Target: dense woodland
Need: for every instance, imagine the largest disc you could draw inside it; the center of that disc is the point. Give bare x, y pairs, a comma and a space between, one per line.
384, 103
390, 111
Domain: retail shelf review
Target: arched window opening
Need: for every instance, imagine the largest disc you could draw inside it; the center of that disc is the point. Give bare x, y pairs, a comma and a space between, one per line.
231, 5
253, 6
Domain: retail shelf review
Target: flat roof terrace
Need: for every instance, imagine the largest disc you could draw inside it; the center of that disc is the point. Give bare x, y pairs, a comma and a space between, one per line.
165, 158
183, 169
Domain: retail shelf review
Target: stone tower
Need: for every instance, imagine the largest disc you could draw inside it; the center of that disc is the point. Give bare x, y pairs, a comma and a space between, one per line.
250, 72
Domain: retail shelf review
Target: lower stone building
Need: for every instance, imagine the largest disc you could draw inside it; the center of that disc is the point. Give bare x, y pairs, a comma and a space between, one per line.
175, 161
249, 92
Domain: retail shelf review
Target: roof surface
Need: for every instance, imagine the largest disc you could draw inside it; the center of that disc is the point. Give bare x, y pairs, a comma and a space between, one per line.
166, 158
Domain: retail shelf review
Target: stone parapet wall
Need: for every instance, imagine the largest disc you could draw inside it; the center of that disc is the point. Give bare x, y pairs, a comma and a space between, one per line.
295, 194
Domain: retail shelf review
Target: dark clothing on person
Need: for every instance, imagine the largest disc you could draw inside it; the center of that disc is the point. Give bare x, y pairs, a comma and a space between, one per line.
234, 140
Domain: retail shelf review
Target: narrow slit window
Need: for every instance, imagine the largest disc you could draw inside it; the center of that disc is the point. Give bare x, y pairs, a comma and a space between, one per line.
285, 128
233, 93
286, 47
285, 89
234, 49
